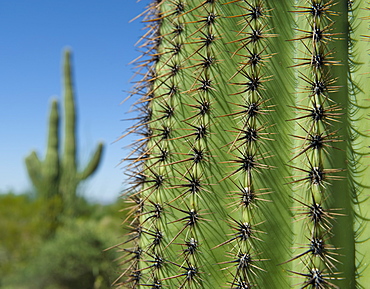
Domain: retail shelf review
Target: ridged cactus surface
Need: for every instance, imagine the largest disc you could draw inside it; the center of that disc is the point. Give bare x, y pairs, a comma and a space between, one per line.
251, 162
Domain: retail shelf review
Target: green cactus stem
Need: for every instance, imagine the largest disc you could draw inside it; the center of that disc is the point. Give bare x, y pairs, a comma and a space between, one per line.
250, 167
58, 175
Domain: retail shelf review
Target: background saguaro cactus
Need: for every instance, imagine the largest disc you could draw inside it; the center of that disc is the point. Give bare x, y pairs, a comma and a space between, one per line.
58, 175
250, 170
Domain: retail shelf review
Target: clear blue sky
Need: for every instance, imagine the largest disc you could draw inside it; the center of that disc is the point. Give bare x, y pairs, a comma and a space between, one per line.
33, 34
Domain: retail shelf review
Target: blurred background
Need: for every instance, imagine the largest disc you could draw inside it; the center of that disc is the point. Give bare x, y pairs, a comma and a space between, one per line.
40, 245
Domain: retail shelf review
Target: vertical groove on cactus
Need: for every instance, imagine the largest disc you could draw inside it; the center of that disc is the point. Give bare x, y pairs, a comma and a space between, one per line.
214, 182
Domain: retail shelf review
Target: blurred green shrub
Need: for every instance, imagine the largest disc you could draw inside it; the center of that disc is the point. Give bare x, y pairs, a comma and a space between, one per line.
73, 257
22, 230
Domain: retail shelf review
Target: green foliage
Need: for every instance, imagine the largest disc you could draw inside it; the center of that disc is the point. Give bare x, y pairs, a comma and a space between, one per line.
74, 257
250, 169
58, 175
18, 221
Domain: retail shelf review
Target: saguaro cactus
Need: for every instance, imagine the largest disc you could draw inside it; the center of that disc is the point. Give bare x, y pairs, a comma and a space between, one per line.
59, 175
250, 170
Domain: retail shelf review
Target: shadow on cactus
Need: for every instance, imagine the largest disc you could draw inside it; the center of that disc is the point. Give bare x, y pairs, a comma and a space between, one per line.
57, 176
253, 150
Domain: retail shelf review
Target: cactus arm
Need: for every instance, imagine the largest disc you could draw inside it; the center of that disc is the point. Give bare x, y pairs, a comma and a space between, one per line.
33, 165
51, 163
44, 175
93, 164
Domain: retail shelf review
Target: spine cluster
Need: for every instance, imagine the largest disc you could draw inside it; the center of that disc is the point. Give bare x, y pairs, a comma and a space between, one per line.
317, 111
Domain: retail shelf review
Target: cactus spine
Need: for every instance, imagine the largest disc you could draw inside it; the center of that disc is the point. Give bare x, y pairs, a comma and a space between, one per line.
58, 175
214, 180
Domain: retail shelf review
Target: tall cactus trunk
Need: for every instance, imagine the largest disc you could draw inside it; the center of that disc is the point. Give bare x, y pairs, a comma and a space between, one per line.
250, 169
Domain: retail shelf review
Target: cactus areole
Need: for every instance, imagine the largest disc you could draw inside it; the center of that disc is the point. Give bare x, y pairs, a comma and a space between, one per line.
250, 166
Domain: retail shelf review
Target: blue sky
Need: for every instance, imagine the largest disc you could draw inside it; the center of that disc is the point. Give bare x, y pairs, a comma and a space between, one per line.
33, 35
